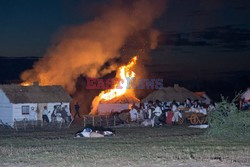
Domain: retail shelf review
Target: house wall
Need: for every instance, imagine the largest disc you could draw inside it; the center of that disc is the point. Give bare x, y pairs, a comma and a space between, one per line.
105, 109
6, 114
17, 111
36, 108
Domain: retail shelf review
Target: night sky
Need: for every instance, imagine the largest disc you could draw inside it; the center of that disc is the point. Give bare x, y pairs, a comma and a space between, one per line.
201, 40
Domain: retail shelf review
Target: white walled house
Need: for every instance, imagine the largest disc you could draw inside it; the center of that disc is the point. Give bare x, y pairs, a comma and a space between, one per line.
27, 102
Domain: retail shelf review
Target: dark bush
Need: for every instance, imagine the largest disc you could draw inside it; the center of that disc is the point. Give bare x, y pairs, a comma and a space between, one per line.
228, 121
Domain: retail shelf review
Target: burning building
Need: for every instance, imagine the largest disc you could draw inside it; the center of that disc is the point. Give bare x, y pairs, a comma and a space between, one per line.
117, 104
112, 99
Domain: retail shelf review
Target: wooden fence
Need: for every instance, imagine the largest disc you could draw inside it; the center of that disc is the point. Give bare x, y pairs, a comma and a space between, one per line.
37, 124
94, 120
100, 120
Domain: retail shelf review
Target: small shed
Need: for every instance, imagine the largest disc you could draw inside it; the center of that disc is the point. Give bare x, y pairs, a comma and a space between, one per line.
117, 104
27, 102
180, 94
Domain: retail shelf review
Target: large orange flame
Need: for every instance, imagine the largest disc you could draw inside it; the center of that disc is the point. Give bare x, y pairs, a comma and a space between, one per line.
119, 89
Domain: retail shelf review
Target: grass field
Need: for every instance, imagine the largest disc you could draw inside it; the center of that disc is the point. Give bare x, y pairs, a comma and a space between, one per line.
132, 146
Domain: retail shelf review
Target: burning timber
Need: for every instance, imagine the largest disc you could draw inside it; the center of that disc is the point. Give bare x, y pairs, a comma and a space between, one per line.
119, 89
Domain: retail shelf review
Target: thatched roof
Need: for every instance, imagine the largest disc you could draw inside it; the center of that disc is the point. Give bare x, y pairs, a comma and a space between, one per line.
122, 100
177, 93
35, 94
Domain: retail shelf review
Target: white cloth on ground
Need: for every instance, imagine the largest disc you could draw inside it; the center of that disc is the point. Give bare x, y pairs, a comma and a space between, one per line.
86, 132
202, 126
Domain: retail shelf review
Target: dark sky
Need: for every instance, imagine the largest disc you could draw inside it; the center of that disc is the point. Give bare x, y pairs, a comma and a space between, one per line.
202, 35
196, 35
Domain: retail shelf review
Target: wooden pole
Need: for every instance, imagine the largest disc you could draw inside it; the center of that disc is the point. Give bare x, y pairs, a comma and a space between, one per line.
70, 123
15, 125
107, 120
84, 119
24, 124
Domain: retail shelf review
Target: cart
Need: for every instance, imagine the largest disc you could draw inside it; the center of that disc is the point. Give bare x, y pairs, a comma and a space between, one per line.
193, 117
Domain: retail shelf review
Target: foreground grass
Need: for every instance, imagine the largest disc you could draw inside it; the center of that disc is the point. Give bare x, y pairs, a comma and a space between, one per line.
130, 147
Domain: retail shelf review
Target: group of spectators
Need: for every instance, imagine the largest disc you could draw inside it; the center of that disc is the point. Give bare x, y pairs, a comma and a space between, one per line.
166, 112
59, 113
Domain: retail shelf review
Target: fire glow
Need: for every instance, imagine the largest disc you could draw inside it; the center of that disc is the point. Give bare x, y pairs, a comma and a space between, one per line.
119, 89
26, 84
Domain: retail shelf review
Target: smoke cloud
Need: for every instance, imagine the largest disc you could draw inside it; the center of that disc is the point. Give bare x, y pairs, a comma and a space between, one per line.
84, 49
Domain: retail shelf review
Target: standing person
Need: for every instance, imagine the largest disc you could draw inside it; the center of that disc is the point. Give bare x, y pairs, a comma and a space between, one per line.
143, 114
68, 119
77, 107
176, 113
53, 114
45, 114
188, 103
133, 114
150, 109
64, 114
33, 114
196, 104
157, 113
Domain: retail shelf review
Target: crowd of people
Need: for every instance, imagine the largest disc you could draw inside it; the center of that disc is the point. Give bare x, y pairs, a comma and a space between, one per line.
59, 113
166, 112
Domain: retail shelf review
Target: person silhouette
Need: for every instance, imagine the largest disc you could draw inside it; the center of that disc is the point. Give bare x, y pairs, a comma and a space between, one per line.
77, 107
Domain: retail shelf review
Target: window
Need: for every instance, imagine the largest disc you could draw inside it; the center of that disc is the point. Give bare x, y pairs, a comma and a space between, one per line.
25, 110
